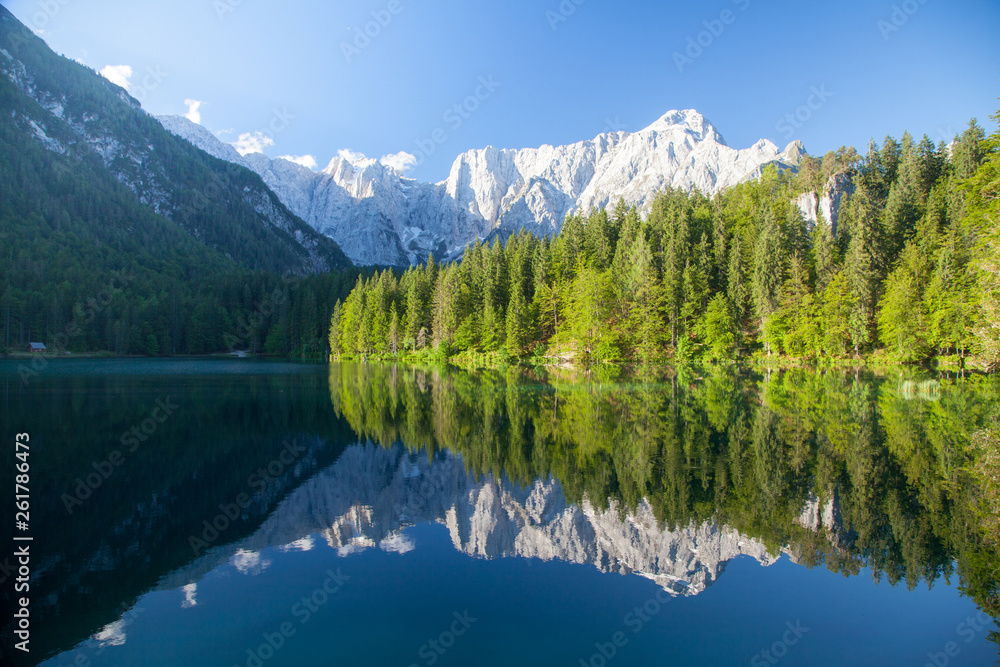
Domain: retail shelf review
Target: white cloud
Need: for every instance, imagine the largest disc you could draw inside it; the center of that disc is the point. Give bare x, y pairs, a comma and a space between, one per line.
112, 634
401, 162
307, 161
190, 593
351, 156
118, 75
252, 142
249, 562
303, 544
397, 543
193, 114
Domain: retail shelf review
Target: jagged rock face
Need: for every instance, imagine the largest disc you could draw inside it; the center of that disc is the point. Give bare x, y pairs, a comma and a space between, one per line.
827, 202
371, 493
379, 216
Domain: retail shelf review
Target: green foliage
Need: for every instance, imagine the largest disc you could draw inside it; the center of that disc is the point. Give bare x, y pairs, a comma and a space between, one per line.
902, 320
708, 279
718, 330
983, 190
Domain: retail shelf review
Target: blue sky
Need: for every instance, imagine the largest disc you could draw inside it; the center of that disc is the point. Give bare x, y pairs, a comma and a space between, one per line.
529, 72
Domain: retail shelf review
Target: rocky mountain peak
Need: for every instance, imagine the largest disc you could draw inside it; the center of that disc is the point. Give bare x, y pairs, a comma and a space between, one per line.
380, 217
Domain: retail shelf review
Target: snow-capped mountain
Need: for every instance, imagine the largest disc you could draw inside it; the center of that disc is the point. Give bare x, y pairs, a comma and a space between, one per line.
379, 216
371, 493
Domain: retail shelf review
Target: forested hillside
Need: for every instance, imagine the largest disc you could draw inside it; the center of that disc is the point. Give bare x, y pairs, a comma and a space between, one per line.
910, 273
115, 235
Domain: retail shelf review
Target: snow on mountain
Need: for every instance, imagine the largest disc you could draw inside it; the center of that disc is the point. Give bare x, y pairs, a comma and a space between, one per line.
378, 216
371, 493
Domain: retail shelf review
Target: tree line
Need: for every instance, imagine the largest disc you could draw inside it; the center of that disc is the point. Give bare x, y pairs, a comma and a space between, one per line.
908, 272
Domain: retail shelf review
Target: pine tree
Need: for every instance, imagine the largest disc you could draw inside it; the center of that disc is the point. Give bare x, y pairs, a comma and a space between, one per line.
796, 314
969, 150
588, 316
864, 265
518, 326
824, 254
901, 318
334, 337
738, 289
905, 197
695, 297
838, 308
645, 315
767, 274
718, 329
948, 304
720, 255
395, 331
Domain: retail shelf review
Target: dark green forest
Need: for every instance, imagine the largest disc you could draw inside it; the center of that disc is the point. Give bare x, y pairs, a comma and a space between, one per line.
165, 252
909, 273
86, 266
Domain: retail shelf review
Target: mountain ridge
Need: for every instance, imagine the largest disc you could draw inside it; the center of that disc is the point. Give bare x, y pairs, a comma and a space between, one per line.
228, 210
379, 216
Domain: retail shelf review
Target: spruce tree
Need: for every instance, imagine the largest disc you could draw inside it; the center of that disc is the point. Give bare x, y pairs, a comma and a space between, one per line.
767, 274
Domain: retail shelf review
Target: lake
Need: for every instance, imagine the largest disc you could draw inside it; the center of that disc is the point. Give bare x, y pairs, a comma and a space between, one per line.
242, 512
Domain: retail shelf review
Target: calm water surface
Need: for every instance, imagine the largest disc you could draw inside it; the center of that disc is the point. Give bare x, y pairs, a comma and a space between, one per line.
235, 512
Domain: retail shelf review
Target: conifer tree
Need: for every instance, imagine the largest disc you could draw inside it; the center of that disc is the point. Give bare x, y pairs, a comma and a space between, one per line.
767, 274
